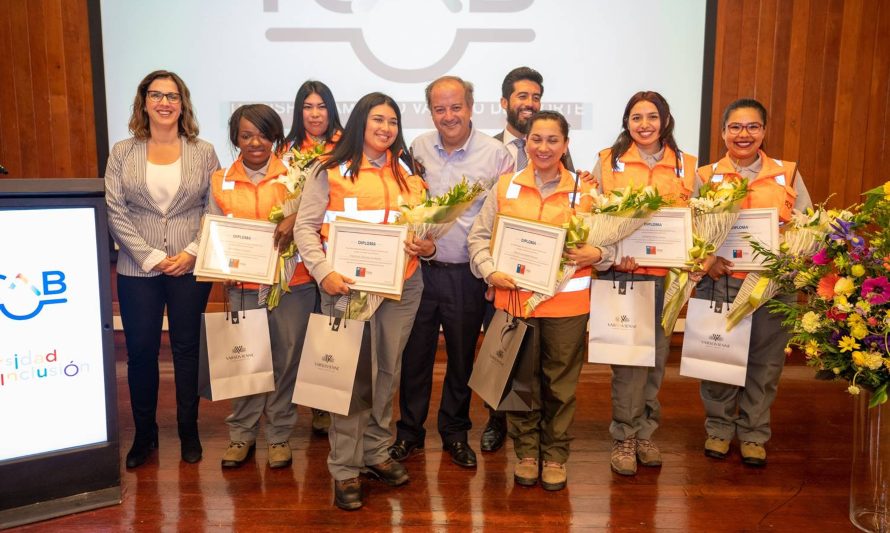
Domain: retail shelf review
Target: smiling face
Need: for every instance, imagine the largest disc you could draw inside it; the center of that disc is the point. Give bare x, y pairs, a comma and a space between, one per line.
546, 144
525, 101
644, 126
255, 148
451, 113
163, 114
743, 146
381, 129
315, 115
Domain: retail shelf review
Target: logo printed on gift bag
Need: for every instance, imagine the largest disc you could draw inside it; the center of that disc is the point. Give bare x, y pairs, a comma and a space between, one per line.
622, 322
326, 363
239, 352
715, 340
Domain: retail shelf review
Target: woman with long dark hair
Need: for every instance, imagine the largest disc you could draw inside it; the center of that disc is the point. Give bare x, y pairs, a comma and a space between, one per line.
645, 153
364, 179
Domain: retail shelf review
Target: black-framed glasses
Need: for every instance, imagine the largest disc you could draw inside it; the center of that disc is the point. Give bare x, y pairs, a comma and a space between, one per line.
753, 128
157, 96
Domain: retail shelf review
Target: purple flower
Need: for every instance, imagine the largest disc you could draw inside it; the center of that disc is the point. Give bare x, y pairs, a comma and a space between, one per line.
821, 257
876, 290
843, 232
875, 342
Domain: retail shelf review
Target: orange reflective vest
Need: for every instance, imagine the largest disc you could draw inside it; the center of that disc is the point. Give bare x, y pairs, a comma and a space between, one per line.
374, 196
773, 186
237, 196
632, 169
519, 196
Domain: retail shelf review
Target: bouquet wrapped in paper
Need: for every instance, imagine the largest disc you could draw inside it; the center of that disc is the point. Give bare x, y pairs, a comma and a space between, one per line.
433, 217
430, 219
714, 212
613, 217
298, 169
802, 237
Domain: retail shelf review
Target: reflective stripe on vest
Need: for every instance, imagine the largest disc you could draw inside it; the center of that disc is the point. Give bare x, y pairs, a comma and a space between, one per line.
577, 284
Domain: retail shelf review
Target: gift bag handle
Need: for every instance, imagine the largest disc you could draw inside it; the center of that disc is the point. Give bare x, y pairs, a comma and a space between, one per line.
713, 305
227, 307
622, 285
342, 305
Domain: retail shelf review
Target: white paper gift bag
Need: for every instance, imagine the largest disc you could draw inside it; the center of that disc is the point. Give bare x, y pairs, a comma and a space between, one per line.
335, 365
709, 351
622, 323
235, 355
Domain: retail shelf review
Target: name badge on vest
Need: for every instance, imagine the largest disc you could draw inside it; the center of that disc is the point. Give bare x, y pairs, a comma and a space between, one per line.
780, 179
228, 185
619, 166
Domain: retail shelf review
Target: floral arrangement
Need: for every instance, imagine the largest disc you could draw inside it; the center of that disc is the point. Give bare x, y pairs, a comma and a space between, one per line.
299, 165
433, 217
612, 217
714, 211
843, 324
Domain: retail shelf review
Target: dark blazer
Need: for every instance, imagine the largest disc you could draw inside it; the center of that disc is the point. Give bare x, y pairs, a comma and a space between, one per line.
138, 226
568, 164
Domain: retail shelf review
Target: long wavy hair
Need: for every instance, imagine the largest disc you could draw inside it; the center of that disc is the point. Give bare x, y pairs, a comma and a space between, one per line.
351, 146
666, 135
298, 129
139, 123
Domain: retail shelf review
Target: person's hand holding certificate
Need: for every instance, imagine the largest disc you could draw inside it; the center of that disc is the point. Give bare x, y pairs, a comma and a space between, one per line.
371, 255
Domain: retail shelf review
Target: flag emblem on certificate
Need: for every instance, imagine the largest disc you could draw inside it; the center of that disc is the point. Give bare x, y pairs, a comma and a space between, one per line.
233, 263
360, 271
650, 250
520, 269
736, 254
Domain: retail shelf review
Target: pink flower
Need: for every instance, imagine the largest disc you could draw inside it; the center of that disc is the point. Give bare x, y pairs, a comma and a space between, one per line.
821, 257
876, 290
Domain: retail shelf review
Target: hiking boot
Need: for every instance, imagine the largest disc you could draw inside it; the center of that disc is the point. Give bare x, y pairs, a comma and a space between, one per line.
321, 422
348, 494
390, 472
753, 453
280, 455
525, 472
553, 476
648, 453
624, 457
716, 447
237, 454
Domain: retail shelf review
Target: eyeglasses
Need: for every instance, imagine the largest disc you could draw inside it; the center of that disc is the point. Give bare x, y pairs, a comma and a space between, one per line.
157, 96
753, 128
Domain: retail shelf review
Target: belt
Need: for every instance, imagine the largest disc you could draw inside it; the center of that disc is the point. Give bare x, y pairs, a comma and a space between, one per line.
440, 264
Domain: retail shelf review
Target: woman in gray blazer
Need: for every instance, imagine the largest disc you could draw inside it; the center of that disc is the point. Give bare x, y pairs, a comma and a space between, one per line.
157, 187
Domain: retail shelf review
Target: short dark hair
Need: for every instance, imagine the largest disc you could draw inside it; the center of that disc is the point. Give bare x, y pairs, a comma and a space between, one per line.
298, 129
742, 103
519, 74
264, 118
550, 115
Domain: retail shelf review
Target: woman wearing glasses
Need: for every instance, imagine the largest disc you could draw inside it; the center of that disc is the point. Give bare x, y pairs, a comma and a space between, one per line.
744, 411
158, 183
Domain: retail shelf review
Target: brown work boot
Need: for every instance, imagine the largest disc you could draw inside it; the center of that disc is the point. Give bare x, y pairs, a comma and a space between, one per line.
348, 494
321, 422
237, 454
280, 455
648, 453
624, 457
390, 472
716, 447
553, 476
525, 472
753, 453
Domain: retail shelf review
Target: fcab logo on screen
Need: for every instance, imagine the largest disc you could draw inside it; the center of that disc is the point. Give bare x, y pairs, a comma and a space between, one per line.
23, 298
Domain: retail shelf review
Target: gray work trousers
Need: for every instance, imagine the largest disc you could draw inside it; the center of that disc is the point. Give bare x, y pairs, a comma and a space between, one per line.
362, 438
636, 410
744, 411
287, 330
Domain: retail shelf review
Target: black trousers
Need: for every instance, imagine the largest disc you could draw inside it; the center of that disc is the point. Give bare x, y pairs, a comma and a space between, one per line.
454, 299
142, 303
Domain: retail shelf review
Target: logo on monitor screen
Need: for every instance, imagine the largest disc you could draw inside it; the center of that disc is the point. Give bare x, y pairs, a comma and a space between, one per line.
22, 298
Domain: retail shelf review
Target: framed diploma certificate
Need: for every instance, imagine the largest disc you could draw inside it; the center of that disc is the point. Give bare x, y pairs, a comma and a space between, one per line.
662, 241
757, 224
371, 254
237, 249
528, 251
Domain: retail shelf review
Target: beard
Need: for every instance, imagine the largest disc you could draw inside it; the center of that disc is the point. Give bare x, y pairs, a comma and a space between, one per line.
520, 124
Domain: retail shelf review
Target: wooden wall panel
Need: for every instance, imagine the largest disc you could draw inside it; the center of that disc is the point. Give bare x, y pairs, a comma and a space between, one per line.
822, 68
47, 103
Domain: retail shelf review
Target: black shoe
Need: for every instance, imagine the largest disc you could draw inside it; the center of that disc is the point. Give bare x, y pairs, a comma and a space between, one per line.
462, 454
494, 436
191, 450
390, 472
348, 494
141, 451
403, 449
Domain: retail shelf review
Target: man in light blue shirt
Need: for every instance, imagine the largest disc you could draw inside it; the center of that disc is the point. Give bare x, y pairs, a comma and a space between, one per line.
452, 297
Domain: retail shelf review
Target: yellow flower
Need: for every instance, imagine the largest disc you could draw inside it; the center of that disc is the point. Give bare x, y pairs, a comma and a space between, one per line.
853, 389
859, 331
844, 286
873, 361
857, 270
855, 319
810, 322
864, 305
859, 358
887, 190
848, 344
837, 371
842, 304
812, 348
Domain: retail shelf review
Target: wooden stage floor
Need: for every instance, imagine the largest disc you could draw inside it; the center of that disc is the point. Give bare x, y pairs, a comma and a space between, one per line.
805, 486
